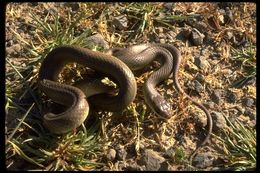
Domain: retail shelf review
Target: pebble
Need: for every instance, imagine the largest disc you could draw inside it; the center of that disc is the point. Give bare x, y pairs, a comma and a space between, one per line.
197, 37
195, 86
219, 121
200, 78
215, 56
120, 22
250, 113
203, 160
231, 97
165, 166
111, 154
228, 17
152, 160
121, 153
169, 5
202, 27
134, 167
216, 96
74, 6
97, 39
248, 102
201, 63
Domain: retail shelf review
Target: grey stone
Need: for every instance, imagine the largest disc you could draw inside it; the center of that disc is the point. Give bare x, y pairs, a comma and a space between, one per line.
201, 63
219, 121
250, 113
215, 56
202, 27
195, 86
120, 22
97, 39
231, 97
74, 6
248, 101
121, 153
203, 160
111, 154
200, 77
165, 166
197, 37
134, 167
216, 96
152, 160
169, 5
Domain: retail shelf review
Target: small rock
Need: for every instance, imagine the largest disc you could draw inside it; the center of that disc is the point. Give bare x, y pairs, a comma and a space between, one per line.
195, 86
197, 37
215, 56
34, 3
250, 113
223, 5
165, 166
200, 77
152, 160
203, 160
169, 5
121, 153
111, 154
231, 97
202, 63
219, 121
120, 22
97, 39
228, 17
74, 6
134, 167
216, 96
248, 102
202, 27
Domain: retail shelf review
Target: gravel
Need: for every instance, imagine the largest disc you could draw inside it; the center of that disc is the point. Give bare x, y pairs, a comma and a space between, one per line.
152, 160
214, 73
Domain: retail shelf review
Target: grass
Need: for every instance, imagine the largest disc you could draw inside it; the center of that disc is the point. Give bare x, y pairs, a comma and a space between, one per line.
239, 146
247, 59
74, 150
82, 149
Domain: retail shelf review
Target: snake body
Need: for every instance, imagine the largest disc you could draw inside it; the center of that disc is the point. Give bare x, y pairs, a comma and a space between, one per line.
115, 63
109, 65
153, 99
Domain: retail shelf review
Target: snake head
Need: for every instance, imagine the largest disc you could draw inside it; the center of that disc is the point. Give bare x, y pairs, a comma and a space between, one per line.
161, 107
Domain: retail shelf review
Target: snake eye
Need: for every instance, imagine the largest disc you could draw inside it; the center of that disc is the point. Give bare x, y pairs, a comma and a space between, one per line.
161, 107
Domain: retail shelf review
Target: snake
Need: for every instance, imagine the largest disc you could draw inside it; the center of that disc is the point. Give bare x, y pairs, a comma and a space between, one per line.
118, 64
73, 97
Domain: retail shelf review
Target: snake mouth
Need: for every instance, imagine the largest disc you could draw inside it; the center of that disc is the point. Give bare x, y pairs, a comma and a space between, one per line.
161, 107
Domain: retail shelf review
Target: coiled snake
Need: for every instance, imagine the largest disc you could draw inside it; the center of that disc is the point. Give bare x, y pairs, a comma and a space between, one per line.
117, 64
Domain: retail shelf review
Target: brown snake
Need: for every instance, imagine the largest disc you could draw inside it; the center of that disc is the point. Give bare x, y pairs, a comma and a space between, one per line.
135, 57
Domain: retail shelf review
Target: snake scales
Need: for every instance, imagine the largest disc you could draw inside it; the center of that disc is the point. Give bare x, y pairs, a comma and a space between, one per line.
117, 64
